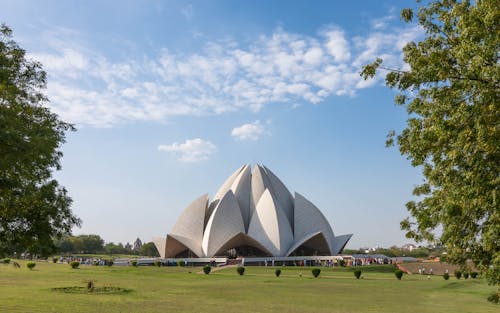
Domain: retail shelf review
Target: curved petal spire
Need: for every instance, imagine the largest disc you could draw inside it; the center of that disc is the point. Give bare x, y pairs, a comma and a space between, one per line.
242, 189
222, 191
309, 219
269, 226
282, 194
189, 226
224, 223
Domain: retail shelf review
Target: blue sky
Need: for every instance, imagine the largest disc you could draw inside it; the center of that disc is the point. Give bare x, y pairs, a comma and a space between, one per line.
170, 97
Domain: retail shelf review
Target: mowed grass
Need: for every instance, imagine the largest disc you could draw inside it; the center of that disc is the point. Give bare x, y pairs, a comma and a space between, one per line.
179, 289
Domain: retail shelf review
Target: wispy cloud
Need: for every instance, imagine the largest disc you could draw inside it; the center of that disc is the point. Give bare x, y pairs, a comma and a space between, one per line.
187, 11
86, 87
192, 150
250, 131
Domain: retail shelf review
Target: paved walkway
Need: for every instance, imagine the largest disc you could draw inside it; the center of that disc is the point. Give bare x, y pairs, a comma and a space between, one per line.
218, 268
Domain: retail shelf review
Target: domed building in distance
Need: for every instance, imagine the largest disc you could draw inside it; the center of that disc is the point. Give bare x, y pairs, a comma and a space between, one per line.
252, 214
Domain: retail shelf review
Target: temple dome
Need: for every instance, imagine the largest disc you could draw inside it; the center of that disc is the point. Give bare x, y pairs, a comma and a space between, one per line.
252, 213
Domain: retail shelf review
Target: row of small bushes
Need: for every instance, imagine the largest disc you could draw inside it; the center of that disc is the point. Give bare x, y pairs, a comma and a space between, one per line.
241, 271
458, 275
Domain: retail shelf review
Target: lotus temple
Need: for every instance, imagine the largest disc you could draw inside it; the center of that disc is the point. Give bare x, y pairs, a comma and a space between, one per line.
253, 214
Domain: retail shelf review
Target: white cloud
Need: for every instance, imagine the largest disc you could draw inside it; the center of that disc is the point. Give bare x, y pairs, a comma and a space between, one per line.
187, 11
192, 150
86, 87
250, 131
337, 45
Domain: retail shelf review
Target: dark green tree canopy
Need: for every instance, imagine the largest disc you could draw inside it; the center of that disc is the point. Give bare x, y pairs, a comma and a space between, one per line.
451, 94
34, 208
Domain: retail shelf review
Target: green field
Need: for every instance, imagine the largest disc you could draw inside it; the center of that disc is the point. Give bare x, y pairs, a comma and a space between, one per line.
178, 289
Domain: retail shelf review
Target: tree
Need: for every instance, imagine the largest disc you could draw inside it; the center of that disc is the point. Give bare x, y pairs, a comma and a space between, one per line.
149, 249
91, 243
451, 94
112, 248
34, 208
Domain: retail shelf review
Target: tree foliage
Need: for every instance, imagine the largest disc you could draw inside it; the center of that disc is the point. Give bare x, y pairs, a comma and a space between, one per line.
453, 132
34, 208
80, 244
149, 249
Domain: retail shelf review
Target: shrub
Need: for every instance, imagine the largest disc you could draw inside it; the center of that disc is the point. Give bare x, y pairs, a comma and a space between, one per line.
95, 263
207, 269
74, 264
458, 274
180, 263
357, 274
315, 272
157, 263
110, 263
277, 272
54, 260
240, 270
446, 276
466, 275
399, 274
90, 285
341, 263
31, 265
473, 274
494, 297
6, 261
133, 262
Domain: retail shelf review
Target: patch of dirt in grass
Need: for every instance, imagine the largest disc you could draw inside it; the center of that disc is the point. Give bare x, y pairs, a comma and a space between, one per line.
96, 290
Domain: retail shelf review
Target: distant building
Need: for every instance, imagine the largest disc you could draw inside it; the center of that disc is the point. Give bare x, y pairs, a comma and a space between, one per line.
409, 247
137, 244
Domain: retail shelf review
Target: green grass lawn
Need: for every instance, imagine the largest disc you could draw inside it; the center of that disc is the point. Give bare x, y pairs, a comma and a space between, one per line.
178, 289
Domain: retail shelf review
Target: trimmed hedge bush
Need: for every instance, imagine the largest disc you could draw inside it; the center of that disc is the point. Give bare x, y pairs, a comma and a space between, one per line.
54, 260
473, 274
6, 261
240, 270
357, 274
399, 274
277, 272
31, 265
466, 275
157, 263
133, 263
341, 263
180, 263
316, 272
458, 274
74, 264
446, 276
110, 263
207, 269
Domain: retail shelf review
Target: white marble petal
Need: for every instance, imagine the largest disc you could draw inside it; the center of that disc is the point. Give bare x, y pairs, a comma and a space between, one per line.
224, 223
309, 219
160, 244
269, 226
339, 243
282, 195
242, 189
